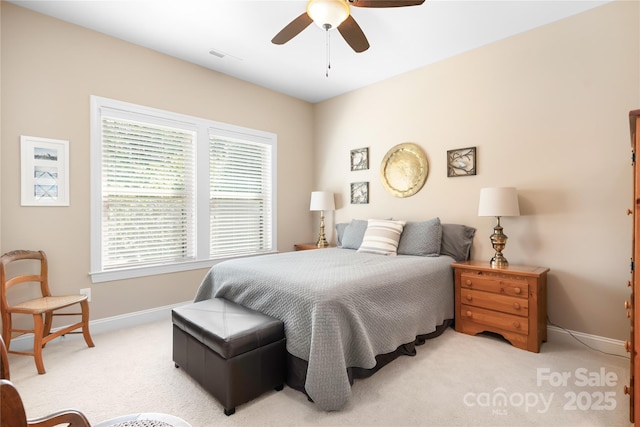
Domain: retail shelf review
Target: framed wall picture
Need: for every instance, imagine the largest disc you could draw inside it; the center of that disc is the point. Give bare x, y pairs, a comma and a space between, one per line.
360, 159
461, 162
44, 171
359, 193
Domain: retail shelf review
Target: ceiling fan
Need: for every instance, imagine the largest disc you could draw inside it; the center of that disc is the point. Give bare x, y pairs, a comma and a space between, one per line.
328, 14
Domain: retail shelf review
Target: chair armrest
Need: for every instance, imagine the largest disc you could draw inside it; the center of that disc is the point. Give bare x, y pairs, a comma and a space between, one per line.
72, 417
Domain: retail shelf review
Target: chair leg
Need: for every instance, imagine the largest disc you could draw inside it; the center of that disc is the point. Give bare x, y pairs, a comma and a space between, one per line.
85, 323
48, 320
38, 328
6, 329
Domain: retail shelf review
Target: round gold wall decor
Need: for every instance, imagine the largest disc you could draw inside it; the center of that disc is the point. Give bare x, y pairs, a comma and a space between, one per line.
404, 170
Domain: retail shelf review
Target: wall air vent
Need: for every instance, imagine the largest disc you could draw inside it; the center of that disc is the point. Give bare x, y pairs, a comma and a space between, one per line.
217, 53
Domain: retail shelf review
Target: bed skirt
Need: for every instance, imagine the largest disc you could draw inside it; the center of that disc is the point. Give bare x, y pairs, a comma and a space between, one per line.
297, 368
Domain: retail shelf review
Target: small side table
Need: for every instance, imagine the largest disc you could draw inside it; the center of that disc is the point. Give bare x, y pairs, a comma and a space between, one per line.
308, 246
508, 301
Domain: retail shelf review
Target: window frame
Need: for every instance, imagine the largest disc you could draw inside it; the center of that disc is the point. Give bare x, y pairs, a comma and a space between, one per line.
203, 128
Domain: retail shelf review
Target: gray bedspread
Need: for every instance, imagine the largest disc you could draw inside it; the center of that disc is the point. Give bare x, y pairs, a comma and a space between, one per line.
340, 308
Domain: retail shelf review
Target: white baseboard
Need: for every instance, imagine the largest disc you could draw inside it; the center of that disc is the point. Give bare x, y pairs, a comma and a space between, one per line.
108, 324
603, 344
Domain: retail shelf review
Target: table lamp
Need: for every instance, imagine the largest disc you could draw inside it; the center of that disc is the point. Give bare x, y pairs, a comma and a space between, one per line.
498, 202
322, 201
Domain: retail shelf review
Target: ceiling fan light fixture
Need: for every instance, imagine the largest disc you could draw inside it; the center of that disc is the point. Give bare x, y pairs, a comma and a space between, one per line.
328, 13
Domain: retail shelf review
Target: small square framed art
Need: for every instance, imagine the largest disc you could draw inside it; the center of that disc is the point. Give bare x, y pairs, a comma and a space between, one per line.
360, 159
461, 162
359, 193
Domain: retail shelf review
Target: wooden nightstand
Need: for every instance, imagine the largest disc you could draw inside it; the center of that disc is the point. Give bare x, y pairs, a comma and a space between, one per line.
308, 246
509, 301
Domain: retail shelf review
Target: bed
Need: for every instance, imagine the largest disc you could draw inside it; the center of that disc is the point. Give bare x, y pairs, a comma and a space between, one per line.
346, 312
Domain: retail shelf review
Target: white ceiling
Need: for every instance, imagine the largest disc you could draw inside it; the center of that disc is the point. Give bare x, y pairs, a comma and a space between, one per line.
401, 39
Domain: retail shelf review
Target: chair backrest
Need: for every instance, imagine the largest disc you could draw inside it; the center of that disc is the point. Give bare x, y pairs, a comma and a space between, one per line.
11, 407
4, 361
7, 282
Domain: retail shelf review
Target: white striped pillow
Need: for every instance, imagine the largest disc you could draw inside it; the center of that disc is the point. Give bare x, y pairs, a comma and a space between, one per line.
382, 237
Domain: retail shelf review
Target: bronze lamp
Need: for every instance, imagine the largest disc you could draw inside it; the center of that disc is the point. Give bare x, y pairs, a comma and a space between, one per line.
322, 201
498, 202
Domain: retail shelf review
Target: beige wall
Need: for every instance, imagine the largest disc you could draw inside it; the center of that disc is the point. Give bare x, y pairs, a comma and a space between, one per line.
547, 111
50, 69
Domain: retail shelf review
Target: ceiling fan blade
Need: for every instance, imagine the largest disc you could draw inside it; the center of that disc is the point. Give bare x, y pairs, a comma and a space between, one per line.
292, 29
385, 3
353, 35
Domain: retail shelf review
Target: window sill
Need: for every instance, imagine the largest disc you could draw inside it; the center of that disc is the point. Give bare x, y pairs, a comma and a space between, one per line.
133, 272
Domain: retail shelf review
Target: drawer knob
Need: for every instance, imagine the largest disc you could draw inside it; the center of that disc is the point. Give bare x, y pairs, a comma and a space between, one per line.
468, 313
627, 390
629, 211
628, 315
517, 291
468, 282
516, 324
627, 346
469, 297
516, 305
629, 283
627, 305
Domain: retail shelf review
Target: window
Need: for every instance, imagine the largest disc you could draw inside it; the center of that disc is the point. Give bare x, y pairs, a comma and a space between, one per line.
240, 192
171, 192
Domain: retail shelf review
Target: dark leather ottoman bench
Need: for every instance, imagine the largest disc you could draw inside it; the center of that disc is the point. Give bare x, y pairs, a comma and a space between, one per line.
235, 353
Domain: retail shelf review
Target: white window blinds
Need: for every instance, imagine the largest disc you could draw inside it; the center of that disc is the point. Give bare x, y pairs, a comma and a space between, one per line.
171, 192
148, 194
240, 197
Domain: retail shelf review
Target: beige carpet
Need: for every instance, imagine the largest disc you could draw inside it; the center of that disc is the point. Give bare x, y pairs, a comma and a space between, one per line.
455, 380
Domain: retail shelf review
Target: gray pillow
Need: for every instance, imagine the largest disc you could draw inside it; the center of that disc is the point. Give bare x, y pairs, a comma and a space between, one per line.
339, 232
456, 241
421, 238
353, 234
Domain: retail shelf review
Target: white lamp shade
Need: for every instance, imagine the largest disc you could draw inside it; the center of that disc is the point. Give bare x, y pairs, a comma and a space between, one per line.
322, 201
328, 12
498, 201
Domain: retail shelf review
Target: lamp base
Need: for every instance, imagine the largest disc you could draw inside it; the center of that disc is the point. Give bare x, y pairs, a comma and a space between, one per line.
498, 241
499, 261
322, 241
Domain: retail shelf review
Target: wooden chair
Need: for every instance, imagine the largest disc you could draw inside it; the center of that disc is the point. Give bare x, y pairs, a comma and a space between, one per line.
42, 309
14, 415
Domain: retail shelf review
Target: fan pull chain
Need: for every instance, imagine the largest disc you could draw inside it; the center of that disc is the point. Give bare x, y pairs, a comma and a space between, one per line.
328, 51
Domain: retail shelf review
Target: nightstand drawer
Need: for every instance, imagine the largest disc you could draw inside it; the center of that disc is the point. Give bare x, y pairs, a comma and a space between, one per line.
506, 304
495, 285
495, 319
